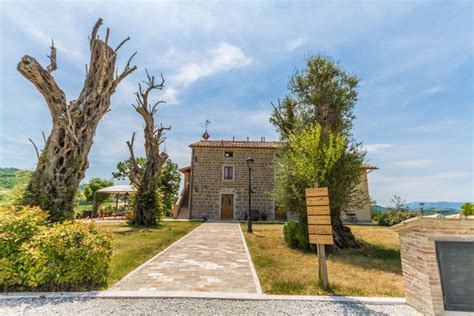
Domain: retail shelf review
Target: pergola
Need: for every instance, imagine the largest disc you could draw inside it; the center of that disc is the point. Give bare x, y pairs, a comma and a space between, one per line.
117, 190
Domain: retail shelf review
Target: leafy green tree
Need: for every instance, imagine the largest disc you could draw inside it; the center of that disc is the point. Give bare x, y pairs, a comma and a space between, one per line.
397, 212
324, 94
169, 182
124, 169
397, 204
92, 187
467, 209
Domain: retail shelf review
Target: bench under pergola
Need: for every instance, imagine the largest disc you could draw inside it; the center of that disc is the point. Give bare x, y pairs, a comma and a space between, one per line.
117, 190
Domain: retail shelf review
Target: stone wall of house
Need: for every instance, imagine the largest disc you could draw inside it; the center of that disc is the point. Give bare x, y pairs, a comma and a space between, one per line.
362, 209
421, 276
208, 184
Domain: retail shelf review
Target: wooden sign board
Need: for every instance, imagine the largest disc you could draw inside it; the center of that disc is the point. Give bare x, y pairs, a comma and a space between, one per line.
321, 239
319, 216
320, 229
319, 220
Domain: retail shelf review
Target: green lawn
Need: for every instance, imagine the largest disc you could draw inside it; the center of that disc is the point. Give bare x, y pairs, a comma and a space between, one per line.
132, 246
374, 270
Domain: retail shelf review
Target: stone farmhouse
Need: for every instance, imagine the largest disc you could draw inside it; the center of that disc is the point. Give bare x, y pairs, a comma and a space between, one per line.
216, 184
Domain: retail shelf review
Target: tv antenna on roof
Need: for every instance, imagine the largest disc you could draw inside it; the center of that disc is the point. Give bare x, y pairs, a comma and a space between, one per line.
206, 134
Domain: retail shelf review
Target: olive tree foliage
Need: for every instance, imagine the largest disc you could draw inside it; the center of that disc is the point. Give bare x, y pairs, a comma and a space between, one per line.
324, 94
306, 161
64, 159
92, 187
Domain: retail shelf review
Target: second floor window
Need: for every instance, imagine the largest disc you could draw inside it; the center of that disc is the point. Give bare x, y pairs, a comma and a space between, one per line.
228, 173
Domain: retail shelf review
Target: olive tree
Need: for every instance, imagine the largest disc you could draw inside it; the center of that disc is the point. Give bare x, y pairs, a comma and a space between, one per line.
64, 159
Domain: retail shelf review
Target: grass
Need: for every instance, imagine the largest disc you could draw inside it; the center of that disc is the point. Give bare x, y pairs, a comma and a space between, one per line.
374, 270
132, 246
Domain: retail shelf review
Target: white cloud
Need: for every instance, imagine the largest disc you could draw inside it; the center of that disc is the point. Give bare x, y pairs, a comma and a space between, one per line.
430, 128
222, 57
417, 163
374, 148
433, 90
294, 44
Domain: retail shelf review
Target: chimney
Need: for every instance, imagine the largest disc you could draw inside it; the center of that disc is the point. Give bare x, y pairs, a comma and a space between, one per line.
262, 139
247, 138
233, 138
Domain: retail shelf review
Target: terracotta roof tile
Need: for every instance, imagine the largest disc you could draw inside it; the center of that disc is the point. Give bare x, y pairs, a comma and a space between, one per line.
237, 144
369, 167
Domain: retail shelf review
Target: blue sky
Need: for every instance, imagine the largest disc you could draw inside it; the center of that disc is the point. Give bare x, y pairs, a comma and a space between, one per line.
226, 61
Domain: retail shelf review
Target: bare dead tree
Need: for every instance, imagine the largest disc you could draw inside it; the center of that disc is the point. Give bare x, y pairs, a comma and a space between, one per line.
146, 203
64, 159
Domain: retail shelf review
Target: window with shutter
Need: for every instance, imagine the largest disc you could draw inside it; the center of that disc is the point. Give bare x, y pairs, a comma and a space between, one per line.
228, 173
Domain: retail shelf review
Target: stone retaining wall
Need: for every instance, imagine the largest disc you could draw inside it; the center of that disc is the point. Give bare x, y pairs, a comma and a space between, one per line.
421, 274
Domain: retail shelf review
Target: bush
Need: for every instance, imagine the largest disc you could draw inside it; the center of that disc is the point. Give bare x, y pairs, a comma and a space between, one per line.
36, 255
393, 217
17, 228
296, 235
467, 209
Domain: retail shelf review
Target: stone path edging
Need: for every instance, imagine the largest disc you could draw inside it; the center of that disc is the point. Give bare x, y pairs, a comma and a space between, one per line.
252, 267
157, 255
209, 295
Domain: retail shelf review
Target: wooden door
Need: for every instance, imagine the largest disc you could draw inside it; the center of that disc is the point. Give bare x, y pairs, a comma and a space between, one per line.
227, 206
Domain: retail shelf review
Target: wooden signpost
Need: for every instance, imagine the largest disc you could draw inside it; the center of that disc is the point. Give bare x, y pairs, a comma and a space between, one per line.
319, 226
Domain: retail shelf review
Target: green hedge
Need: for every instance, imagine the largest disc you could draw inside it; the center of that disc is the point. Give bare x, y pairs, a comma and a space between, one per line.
37, 255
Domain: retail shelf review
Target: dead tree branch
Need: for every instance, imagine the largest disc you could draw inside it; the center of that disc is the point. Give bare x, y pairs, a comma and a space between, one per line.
134, 170
121, 43
36, 148
52, 58
95, 30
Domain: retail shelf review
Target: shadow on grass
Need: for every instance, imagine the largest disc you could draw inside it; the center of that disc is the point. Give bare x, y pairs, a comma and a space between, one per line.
127, 230
371, 256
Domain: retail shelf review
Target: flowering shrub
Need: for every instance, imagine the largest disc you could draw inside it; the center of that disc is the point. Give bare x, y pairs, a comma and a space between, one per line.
35, 254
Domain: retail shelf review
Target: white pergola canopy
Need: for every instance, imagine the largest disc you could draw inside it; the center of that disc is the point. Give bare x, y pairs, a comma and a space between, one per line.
118, 189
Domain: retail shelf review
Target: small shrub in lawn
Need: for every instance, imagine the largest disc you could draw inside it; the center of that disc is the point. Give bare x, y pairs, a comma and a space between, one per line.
296, 235
35, 254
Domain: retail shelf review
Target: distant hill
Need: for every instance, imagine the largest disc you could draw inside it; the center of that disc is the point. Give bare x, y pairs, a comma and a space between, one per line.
444, 208
377, 209
8, 169
10, 177
436, 205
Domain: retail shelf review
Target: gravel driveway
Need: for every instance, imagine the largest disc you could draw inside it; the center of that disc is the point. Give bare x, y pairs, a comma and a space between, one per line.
191, 306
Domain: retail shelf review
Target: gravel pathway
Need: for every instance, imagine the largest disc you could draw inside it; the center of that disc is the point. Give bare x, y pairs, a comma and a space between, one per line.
191, 306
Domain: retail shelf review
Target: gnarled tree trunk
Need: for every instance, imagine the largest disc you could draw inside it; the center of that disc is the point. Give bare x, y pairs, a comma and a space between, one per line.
146, 199
63, 161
